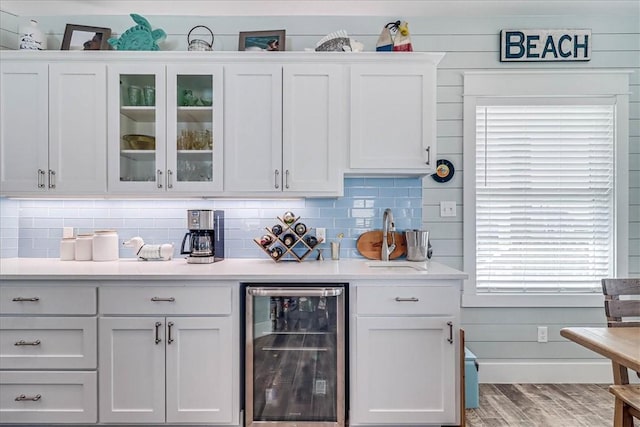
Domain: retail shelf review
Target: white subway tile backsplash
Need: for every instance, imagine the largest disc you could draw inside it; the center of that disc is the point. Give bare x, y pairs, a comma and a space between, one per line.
33, 228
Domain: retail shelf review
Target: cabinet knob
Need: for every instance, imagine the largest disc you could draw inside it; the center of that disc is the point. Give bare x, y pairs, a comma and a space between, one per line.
450, 339
277, 174
23, 342
286, 179
23, 299
169, 334
159, 178
428, 161
411, 299
157, 326
169, 178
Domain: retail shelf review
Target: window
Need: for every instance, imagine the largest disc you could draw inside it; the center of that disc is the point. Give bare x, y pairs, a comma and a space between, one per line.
543, 188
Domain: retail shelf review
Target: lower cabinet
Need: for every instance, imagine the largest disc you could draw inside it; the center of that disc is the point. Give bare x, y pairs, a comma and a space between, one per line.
403, 367
165, 369
405, 371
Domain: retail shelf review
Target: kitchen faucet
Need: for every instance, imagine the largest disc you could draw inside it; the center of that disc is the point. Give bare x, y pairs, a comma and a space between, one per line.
387, 226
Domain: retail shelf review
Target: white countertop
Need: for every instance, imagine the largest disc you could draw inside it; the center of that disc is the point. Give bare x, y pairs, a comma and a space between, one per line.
264, 270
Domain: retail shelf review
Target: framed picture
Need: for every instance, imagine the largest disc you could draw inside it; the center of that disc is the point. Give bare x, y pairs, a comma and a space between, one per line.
262, 40
82, 37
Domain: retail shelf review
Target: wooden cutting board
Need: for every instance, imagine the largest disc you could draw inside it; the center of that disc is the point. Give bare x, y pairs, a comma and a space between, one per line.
369, 245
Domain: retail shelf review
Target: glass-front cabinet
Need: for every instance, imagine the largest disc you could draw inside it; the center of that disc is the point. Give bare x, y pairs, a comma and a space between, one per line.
165, 129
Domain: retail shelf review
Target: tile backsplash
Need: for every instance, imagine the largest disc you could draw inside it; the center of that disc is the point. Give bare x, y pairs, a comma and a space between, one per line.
33, 228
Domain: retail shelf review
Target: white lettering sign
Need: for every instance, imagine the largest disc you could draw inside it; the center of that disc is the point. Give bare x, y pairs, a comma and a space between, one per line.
545, 45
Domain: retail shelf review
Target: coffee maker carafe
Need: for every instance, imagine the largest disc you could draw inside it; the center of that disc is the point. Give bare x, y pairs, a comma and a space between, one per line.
205, 237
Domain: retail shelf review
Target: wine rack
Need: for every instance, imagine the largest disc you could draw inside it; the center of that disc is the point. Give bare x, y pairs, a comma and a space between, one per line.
293, 246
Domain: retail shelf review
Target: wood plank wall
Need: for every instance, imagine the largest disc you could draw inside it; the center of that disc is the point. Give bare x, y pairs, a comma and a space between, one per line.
497, 335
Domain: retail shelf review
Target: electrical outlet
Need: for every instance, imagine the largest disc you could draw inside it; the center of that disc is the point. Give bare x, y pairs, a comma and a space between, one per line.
543, 334
321, 234
447, 209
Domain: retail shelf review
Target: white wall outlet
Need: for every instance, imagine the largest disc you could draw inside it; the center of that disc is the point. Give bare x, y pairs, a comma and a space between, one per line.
447, 209
321, 234
543, 334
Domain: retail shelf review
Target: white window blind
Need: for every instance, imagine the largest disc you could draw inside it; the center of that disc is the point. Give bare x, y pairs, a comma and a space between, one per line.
544, 197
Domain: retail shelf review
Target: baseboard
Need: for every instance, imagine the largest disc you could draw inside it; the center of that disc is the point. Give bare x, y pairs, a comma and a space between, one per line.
560, 372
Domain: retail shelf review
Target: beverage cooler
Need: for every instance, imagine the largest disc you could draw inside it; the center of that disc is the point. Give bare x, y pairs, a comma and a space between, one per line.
295, 356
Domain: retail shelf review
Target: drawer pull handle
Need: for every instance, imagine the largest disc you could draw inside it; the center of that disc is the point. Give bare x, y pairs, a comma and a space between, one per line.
169, 337
156, 299
412, 299
157, 325
23, 342
24, 397
450, 339
23, 299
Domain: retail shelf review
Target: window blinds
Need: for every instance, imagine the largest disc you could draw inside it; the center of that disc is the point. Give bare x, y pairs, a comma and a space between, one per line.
544, 197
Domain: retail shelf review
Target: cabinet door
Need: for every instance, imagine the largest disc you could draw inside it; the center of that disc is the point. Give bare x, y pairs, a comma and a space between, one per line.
200, 385
78, 128
314, 102
404, 371
393, 124
194, 128
23, 127
131, 370
253, 128
137, 115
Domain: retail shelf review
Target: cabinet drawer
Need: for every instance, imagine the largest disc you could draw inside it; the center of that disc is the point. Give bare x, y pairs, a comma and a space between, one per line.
65, 397
47, 300
48, 342
409, 300
165, 300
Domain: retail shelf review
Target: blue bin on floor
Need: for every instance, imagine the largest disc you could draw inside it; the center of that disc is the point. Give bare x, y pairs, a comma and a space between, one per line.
471, 397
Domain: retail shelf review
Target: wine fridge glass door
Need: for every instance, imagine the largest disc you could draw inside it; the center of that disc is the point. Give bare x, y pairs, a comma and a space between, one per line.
295, 356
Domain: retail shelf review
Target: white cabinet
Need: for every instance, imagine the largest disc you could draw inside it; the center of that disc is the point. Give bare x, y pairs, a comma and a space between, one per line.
165, 129
285, 125
172, 369
393, 118
48, 354
53, 128
404, 353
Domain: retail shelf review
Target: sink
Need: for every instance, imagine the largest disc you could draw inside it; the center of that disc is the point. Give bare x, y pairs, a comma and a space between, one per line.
420, 266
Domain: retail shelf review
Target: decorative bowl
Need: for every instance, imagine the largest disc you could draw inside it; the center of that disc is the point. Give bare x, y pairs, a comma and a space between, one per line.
140, 142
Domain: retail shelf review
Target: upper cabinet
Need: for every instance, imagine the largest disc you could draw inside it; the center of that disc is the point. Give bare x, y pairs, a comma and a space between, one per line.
284, 125
206, 124
53, 125
165, 129
393, 118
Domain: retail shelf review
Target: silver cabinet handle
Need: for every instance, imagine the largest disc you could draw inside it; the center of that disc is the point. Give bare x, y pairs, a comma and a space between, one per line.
157, 326
428, 150
412, 299
169, 299
286, 179
450, 339
277, 174
52, 178
159, 178
23, 342
295, 292
23, 397
23, 299
40, 178
169, 337
169, 178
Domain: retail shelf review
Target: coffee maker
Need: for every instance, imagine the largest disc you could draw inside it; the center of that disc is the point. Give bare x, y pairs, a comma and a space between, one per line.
205, 237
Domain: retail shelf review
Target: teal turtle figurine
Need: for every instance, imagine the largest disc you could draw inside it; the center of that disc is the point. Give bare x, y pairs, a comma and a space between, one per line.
138, 37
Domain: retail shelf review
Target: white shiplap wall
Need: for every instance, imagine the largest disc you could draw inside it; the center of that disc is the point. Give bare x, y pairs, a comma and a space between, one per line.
504, 339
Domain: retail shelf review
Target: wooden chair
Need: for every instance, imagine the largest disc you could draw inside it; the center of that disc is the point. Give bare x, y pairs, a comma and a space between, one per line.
614, 307
627, 405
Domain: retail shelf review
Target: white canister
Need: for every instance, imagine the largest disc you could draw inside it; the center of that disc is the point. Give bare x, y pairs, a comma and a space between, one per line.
84, 247
105, 245
31, 38
68, 249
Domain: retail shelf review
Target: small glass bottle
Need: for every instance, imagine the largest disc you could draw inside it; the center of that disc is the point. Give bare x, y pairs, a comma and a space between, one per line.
276, 230
289, 240
300, 229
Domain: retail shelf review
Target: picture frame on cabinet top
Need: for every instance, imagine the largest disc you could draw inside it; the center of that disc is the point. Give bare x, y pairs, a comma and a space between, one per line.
84, 37
272, 40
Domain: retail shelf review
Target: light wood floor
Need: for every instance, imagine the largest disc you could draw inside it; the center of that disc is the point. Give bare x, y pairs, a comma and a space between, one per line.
542, 405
